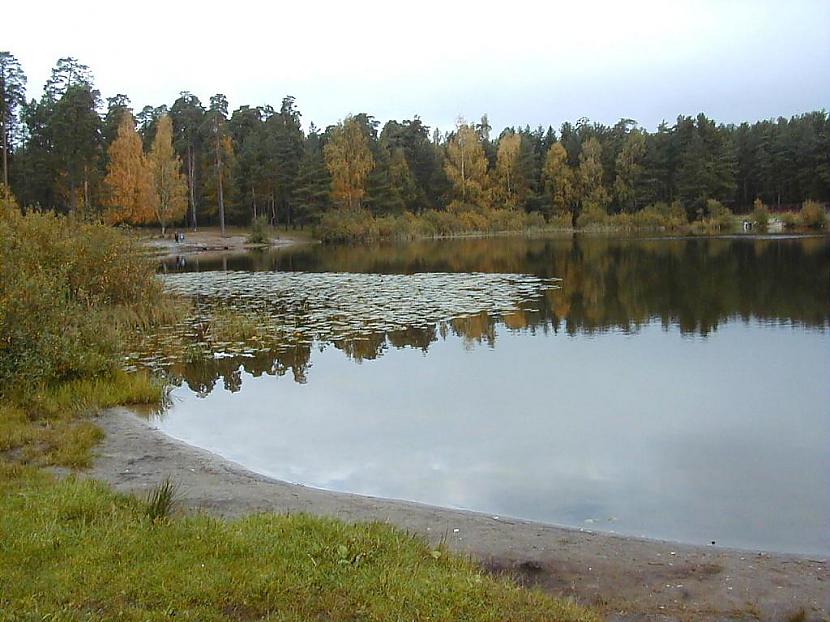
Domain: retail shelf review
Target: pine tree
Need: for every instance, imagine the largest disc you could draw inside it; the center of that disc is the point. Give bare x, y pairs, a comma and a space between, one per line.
12, 98
313, 188
188, 114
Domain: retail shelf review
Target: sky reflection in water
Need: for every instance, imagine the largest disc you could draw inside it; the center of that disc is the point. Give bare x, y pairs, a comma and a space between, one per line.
569, 413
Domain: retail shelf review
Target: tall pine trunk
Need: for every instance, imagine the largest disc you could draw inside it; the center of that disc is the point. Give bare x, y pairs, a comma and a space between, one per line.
5, 151
190, 171
220, 175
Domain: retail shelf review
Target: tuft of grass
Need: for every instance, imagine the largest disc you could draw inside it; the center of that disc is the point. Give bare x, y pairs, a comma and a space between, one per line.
161, 501
798, 616
73, 550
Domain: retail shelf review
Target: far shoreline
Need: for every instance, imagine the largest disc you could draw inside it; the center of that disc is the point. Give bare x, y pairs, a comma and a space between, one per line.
208, 241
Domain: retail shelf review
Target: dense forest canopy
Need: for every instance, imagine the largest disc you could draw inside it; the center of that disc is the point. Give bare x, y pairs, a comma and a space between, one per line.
72, 151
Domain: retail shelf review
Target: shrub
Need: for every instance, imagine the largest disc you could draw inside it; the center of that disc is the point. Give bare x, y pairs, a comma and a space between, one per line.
760, 214
813, 215
791, 220
260, 231
345, 225
592, 217
534, 220
646, 218
69, 291
717, 217
561, 221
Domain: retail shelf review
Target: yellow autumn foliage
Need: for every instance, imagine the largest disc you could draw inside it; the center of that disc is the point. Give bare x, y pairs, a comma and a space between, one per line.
130, 196
169, 185
349, 162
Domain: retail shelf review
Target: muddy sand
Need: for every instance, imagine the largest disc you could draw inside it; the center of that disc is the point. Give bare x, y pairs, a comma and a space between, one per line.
625, 578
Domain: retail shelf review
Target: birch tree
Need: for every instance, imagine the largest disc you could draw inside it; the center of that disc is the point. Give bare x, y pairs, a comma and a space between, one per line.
349, 161
168, 182
130, 196
466, 164
559, 179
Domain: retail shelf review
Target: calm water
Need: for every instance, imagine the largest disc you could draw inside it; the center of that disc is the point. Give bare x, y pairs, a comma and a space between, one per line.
666, 388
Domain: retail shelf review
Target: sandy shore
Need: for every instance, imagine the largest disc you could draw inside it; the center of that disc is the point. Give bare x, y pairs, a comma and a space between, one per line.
210, 240
627, 578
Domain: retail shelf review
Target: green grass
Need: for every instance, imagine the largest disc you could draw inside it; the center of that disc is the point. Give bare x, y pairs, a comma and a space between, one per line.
50, 425
74, 550
71, 297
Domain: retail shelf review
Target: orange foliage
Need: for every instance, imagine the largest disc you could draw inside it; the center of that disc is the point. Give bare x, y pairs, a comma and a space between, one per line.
130, 194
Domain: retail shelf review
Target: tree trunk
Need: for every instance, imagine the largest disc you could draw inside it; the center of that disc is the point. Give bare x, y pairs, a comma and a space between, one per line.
5, 152
190, 171
221, 206
463, 179
86, 190
219, 176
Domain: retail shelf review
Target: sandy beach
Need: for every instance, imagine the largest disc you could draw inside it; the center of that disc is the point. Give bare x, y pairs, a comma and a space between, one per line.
625, 578
209, 240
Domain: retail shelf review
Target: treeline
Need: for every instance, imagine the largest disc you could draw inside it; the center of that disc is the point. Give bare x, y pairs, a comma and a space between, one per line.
189, 162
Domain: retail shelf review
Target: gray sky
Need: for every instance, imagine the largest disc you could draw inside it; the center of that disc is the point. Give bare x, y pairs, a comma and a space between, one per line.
521, 62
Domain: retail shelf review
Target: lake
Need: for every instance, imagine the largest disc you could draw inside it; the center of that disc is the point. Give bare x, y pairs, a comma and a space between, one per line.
670, 388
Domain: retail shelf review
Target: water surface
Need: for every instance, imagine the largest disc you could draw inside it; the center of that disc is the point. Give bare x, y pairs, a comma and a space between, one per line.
668, 388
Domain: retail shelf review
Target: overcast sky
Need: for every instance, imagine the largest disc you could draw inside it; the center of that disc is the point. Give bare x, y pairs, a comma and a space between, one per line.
521, 62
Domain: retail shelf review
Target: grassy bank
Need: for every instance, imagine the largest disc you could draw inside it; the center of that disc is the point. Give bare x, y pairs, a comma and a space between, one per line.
359, 225
74, 550
72, 296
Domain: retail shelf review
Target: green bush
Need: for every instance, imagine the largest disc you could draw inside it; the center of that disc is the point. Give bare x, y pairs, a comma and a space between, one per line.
592, 217
260, 231
561, 221
717, 218
791, 220
359, 225
344, 225
68, 292
760, 214
813, 215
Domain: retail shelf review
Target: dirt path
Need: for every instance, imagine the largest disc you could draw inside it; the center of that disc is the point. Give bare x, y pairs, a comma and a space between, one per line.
627, 578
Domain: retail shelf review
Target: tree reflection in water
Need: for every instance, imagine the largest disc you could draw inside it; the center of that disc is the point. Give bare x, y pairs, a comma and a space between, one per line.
607, 284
